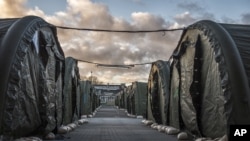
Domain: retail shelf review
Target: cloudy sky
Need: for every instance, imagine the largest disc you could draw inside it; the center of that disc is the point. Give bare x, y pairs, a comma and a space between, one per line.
124, 48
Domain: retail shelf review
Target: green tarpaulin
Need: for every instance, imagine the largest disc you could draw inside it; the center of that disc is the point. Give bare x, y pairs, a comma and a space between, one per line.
210, 79
86, 102
158, 92
137, 98
71, 91
31, 61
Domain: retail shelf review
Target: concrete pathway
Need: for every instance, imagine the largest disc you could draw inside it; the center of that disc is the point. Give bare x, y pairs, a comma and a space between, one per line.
112, 124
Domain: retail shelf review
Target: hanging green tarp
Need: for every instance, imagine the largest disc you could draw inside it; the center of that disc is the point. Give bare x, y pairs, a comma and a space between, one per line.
71, 91
212, 63
125, 98
86, 98
31, 61
82, 85
187, 94
158, 92
128, 99
174, 99
94, 99
118, 99
121, 98
139, 98
136, 98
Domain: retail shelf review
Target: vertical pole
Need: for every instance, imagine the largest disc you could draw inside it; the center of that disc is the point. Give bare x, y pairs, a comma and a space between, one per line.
91, 78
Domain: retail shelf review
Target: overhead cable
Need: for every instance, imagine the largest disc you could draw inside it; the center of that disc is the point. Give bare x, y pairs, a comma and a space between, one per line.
114, 65
120, 31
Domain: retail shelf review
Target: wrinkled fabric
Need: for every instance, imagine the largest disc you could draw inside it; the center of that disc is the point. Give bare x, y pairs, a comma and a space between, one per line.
141, 98
82, 91
52, 91
85, 106
119, 100
174, 100
241, 36
29, 97
123, 100
87, 98
137, 98
158, 92
93, 99
188, 110
213, 91
128, 99
229, 99
71, 91
212, 106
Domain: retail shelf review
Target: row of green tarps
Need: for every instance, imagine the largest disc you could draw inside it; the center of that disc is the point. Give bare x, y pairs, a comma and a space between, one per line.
86, 107
89, 100
140, 93
128, 99
79, 96
205, 88
120, 99
32, 62
71, 91
135, 98
95, 100
158, 92
126, 93
209, 88
40, 90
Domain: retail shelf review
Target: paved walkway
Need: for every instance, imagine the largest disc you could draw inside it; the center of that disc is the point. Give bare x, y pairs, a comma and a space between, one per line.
112, 124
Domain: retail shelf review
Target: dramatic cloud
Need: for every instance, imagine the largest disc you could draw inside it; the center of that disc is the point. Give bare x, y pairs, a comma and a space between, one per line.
194, 12
112, 48
107, 48
184, 18
12, 8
